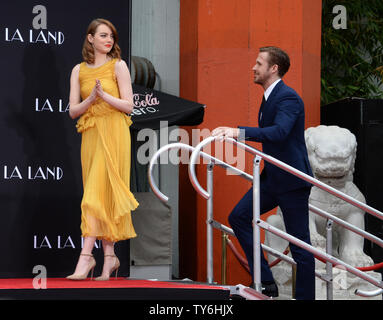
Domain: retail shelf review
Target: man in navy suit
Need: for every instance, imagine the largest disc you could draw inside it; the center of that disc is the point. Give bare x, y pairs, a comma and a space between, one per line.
281, 121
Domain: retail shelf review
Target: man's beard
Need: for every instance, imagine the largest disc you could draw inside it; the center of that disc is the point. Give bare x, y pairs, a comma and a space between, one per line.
259, 80
262, 79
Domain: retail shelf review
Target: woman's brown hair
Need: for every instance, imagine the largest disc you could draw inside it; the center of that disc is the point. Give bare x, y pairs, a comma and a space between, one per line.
87, 48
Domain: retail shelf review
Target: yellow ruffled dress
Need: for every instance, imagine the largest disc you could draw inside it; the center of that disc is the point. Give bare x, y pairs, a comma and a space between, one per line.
105, 159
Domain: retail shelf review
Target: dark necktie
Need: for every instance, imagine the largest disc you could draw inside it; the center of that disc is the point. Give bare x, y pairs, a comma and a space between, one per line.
261, 111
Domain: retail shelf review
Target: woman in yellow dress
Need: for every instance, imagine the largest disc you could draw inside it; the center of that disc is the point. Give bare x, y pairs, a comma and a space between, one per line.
101, 95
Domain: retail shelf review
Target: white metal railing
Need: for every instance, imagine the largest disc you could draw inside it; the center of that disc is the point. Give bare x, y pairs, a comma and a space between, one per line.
211, 223
259, 223
196, 152
282, 166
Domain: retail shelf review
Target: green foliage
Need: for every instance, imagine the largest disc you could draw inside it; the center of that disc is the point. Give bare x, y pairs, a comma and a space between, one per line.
352, 58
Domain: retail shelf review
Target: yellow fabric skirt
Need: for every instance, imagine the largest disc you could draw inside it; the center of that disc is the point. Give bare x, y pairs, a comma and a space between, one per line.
105, 158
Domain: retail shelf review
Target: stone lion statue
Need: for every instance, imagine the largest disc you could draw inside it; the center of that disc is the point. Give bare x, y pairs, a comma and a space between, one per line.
332, 152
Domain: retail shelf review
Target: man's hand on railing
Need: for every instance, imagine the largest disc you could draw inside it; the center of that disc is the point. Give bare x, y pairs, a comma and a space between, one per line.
225, 132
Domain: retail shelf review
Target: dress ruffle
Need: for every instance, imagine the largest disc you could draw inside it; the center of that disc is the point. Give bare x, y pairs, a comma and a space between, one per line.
98, 109
85, 122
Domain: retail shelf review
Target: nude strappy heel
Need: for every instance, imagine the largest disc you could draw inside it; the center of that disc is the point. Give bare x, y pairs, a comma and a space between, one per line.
114, 268
90, 268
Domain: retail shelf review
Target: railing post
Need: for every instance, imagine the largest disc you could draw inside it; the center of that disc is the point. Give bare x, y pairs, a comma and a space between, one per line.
293, 280
256, 228
209, 227
329, 282
224, 257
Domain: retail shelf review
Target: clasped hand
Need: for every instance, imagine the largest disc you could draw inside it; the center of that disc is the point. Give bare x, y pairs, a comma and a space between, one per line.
97, 91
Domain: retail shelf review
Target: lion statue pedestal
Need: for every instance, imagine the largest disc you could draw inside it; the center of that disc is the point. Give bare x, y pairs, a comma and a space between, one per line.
332, 152
344, 283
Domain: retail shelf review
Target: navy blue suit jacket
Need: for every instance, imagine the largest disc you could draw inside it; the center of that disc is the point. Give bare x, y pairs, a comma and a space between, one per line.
281, 128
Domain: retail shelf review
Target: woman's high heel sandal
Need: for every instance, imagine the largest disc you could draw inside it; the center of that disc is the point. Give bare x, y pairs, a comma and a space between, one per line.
92, 264
115, 267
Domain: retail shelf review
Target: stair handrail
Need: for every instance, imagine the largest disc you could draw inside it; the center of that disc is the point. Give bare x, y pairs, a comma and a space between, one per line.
282, 166
259, 223
213, 223
180, 145
312, 208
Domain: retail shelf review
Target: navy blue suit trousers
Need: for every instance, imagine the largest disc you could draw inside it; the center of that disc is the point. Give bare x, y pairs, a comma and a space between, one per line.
294, 205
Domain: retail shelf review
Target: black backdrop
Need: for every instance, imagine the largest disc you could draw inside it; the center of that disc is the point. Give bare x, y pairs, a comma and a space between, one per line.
40, 171
364, 118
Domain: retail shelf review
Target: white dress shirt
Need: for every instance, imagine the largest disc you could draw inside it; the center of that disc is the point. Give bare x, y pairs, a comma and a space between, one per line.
270, 88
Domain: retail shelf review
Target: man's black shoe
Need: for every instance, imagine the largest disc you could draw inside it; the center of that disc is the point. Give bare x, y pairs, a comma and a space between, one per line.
270, 289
